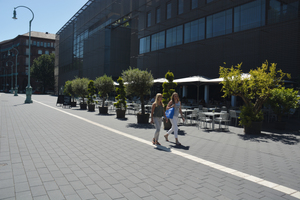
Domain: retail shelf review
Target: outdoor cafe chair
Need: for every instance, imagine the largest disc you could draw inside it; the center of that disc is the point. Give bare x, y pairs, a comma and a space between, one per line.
193, 115
233, 115
224, 117
203, 120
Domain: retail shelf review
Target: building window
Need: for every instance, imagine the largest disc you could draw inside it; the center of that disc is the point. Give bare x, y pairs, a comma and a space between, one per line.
34, 42
279, 11
40, 52
38, 44
180, 7
27, 62
27, 42
194, 30
48, 44
158, 41
158, 15
169, 10
208, 1
145, 45
174, 36
250, 15
45, 44
42, 44
47, 52
148, 19
194, 4
219, 24
52, 45
27, 51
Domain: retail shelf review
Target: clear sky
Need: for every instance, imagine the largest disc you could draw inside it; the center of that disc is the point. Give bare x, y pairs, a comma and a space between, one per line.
49, 16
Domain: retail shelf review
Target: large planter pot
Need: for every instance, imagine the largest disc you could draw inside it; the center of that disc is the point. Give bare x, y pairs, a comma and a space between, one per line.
83, 106
143, 118
120, 113
167, 125
91, 107
280, 125
73, 103
103, 110
254, 128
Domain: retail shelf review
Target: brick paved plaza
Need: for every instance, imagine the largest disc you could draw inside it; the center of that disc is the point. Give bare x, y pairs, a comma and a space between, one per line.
50, 152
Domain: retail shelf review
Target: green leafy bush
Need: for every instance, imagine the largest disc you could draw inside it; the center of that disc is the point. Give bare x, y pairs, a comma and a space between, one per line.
121, 95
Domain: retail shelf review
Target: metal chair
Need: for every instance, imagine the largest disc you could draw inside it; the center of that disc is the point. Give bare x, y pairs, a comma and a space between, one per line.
193, 115
224, 117
203, 119
233, 115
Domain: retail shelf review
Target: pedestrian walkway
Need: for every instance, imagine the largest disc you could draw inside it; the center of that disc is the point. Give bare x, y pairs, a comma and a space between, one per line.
50, 152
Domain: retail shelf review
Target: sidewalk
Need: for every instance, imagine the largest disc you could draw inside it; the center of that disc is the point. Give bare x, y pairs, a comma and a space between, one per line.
50, 152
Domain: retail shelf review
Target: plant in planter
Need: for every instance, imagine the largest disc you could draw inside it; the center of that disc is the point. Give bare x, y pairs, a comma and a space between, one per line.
79, 86
254, 89
105, 85
168, 89
282, 100
91, 90
139, 83
121, 99
69, 91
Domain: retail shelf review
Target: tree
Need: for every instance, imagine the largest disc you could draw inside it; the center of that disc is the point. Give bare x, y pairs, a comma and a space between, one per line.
68, 90
79, 86
168, 88
139, 83
105, 85
121, 95
42, 70
91, 92
282, 100
254, 89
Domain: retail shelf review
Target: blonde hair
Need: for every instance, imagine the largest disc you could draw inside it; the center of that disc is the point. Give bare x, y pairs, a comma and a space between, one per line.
172, 97
156, 99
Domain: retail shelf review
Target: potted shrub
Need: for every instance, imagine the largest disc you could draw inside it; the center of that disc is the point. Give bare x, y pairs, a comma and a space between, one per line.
254, 88
69, 91
282, 100
79, 86
105, 85
139, 83
91, 95
121, 99
168, 89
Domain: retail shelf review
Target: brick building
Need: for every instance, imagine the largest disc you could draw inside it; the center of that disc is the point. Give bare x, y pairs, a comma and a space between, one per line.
41, 43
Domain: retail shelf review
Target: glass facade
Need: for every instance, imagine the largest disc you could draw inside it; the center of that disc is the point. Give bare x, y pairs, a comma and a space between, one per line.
145, 45
279, 11
158, 14
219, 24
174, 36
180, 7
194, 4
194, 30
158, 41
169, 10
250, 15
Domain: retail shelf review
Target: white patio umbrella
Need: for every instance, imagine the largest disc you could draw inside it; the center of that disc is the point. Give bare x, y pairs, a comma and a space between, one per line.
160, 80
195, 80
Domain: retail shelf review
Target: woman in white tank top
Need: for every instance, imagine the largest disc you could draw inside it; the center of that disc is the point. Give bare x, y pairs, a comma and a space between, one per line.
176, 104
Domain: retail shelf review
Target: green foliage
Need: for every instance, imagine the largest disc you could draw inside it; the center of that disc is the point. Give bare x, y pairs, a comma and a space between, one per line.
282, 100
68, 90
255, 88
247, 115
42, 70
168, 88
139, 83
121, 95
79, 86
105, 85
91, 92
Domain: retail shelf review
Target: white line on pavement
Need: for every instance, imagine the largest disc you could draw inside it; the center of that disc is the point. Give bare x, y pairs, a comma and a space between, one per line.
275, 186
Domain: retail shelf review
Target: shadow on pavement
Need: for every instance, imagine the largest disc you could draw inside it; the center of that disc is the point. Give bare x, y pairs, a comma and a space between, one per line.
288, 138
142, 126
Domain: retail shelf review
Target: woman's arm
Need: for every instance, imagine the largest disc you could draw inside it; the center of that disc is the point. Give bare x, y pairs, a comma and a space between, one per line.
169, 105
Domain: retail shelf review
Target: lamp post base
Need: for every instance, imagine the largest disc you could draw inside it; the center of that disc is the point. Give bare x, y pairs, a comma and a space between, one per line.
16, 91
28, 94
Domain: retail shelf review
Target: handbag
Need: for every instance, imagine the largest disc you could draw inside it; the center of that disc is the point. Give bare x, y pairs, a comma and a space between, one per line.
170, 113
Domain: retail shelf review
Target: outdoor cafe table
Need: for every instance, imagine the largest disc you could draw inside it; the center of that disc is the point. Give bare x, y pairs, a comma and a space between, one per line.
212, 114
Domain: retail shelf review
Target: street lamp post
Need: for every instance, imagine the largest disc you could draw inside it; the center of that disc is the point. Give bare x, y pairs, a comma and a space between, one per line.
12, 74
16, 85
28, 88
